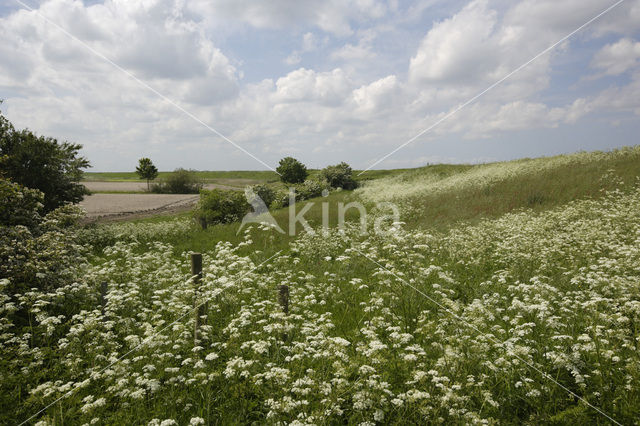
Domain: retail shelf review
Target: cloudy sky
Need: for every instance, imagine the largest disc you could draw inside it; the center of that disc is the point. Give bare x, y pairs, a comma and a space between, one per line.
321, 81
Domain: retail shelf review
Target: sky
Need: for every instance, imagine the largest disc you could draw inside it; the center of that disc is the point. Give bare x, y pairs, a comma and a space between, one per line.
239, 84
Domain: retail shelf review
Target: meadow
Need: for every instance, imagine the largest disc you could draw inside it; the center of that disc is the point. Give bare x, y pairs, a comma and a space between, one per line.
509, 293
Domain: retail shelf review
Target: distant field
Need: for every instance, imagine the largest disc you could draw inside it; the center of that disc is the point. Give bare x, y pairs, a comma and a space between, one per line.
251, 175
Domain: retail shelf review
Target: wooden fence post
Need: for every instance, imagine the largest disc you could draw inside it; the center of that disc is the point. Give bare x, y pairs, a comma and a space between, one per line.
284, 298
103, 297
199, 308
203, 222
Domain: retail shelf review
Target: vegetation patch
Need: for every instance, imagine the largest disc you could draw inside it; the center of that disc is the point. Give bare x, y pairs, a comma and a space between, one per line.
527, 289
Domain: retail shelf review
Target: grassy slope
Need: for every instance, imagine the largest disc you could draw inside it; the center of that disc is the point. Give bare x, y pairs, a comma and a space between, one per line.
441, 196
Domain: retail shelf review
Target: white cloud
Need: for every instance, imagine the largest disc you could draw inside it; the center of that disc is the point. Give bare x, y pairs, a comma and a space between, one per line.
517, 115
149, 39
624, 19
381, 95
617, 99
357, 54
303, 85
350, 52
617, 58
461, 56
59, 87
293, 59
332, 16
456, 49
551, 19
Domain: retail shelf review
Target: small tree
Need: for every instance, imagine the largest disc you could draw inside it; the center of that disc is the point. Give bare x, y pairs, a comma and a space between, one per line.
146, 170
291, 170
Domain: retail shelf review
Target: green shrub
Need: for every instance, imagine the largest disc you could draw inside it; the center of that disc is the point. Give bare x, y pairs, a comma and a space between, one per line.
181, 181
291, 170
339, 176
220, 206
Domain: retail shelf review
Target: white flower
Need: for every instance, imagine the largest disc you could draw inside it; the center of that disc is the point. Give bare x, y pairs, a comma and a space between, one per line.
211, 356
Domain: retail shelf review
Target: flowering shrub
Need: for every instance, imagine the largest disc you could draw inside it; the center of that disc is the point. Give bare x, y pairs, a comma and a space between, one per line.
481, 324
310, 189
20, 205
35, 251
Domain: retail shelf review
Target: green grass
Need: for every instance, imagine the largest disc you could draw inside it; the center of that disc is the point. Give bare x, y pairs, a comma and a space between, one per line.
361, 176
269, 243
